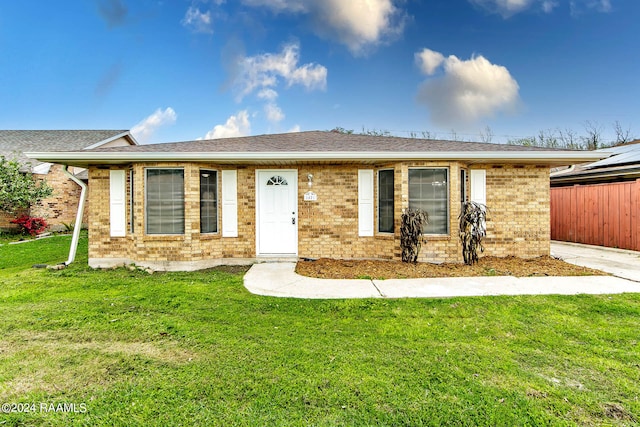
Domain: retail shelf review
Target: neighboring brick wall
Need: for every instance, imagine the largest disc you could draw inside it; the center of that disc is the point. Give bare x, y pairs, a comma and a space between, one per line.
60, 207
5, 218
518, 221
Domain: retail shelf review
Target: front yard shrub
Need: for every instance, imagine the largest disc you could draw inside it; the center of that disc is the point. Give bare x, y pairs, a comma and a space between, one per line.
413, 222
18, 189
30, 225
472, 230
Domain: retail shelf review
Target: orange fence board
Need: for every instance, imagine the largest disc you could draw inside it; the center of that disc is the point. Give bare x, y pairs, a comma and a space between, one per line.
600, 214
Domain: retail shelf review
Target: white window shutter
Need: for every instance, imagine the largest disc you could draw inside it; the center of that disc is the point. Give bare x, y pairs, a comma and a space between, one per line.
478, 180
117, 203
365, 202
229, 203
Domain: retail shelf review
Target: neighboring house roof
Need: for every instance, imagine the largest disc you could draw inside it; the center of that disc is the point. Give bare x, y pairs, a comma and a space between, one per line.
317, 146
623, 164
14, 143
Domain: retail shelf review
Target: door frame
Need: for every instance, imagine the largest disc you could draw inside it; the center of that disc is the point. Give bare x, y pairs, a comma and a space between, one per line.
257, 195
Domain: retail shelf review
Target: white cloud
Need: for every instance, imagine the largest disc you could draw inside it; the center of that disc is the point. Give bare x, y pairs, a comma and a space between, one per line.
294, 129
292, 6
144, 130
268, 94
549, 5
273, 112
267, 70
237, 125
198, 22
506, 8
468, 91
429, 60
578, 7
358, 24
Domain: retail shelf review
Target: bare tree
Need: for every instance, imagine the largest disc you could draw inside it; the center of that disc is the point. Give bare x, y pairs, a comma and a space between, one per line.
622, 136
569, 139
427, 135
547, 138
486, 135
339, 129
375, 132
527, 141
593, 139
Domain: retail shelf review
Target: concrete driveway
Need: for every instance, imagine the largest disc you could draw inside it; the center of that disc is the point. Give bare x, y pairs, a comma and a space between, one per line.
280, 279
619, 262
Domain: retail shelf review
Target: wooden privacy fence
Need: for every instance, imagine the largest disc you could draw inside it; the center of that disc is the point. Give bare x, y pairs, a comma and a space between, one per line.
600, 214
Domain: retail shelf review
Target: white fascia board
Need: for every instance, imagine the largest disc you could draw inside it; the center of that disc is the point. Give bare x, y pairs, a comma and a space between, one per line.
484, 156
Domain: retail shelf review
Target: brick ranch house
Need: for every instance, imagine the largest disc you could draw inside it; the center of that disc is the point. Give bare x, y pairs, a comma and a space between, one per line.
193, 205
62, 205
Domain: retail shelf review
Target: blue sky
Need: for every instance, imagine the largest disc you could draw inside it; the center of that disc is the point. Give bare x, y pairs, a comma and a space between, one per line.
175, 70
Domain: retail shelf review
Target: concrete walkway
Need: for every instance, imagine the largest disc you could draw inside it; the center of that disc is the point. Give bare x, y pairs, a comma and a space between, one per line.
280, 279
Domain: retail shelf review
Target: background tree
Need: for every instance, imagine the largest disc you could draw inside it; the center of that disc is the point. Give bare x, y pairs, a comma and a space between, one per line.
19, 190
593, 138
569, 139
486, 135
622, 135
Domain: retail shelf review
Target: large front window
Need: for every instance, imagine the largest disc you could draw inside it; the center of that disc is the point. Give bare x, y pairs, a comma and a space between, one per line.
429, 191
208, 201
165, 201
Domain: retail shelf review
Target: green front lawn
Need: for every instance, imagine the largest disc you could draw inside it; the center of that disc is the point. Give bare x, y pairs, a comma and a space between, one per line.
128, 348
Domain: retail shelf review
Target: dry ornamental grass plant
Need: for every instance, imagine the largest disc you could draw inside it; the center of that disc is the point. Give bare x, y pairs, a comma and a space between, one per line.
413, 222
472, 230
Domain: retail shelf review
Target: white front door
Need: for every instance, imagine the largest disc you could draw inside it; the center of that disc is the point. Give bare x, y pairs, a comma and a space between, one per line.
277, 211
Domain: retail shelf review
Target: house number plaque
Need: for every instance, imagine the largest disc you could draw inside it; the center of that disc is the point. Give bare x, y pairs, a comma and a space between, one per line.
310, 196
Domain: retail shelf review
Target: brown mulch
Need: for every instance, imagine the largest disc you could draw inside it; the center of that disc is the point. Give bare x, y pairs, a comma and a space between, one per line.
487, 266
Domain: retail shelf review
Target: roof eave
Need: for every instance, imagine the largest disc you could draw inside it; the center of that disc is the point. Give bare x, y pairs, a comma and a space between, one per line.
541, 157
585, 177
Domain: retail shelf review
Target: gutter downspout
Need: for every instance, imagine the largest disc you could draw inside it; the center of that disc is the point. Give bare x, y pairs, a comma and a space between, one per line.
78, 226
563, 171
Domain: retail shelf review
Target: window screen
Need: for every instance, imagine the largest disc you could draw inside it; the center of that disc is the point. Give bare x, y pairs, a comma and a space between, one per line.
385, 201
429, 191
208, 201
165, 201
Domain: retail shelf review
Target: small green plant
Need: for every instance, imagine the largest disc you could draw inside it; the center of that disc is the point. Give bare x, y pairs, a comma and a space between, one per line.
68, 226
472, 230
413, 222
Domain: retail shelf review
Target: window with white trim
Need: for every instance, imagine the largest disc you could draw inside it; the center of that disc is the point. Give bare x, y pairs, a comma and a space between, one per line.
164, 190
208, 201
429, 191
385, 201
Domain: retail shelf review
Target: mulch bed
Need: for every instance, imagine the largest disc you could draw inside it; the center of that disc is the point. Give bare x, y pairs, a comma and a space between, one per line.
487, 266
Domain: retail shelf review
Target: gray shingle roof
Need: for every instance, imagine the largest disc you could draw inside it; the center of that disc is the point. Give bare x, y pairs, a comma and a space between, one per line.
316, 141
13, 143
315, 146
